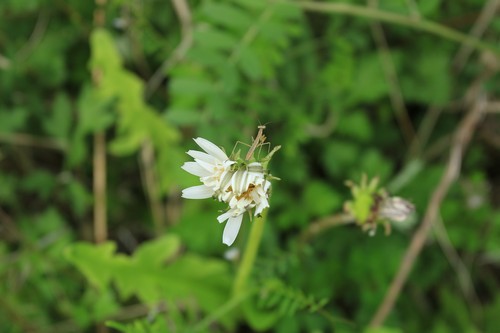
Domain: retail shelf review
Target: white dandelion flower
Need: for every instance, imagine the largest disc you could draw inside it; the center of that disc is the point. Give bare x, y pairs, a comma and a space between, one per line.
242, 186
210, 166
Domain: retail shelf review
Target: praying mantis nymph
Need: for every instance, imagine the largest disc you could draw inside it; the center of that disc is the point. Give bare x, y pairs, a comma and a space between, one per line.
259, 139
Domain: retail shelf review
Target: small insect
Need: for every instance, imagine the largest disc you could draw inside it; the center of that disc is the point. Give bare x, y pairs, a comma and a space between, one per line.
259, 140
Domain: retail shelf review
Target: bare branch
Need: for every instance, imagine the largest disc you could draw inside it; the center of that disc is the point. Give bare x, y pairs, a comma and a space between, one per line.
183, 12
460, 141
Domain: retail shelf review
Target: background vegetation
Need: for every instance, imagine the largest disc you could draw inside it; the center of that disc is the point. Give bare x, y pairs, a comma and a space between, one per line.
99, 102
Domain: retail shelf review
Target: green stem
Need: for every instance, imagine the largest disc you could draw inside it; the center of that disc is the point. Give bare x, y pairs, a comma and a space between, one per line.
383, 16
249, 256
226, 308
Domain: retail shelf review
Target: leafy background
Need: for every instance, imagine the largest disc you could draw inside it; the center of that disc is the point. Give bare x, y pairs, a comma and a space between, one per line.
151, 77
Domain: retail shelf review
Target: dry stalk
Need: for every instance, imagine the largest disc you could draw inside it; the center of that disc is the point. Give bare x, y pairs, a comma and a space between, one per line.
460, 141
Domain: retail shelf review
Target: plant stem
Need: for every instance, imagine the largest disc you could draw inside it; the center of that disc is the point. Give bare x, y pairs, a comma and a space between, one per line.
204, 324
384, 16
249, 256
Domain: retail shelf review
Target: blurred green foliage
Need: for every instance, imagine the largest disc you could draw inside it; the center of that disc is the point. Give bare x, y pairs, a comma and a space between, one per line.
151, 79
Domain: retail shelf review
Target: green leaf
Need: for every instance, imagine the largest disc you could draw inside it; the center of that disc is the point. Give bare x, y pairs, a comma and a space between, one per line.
250, 63
356, 124
13, 119
215, 39
340, 155
104, 58
94, 261
431, 81
157, 251
41, 182
319, 199
369, 83
227, 15
259, 319
58, 124
382, 330
191, 86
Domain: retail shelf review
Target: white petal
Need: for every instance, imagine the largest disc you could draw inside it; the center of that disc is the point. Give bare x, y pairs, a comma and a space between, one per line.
211, 149
195, 169
198, 155
197, 192
207, 166
231, 230
240, 182
221, 218
261, 206
267, 185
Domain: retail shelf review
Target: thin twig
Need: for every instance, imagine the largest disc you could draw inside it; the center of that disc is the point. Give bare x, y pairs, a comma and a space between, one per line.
99, 154
461, 139
463, 274
99, 167
425, 129
99, 159
493, 107
4, 62
183, 12
29, 140
323, 224
325, 129
35, 37
480, 26
388, 17
250, 34
151, 185
413, 7
391, 77
17, 317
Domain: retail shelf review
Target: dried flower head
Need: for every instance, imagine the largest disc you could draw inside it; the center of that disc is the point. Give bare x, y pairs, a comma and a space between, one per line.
371, 205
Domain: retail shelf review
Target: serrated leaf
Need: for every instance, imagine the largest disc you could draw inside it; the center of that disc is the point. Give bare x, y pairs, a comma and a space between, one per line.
250, 63
227, 15
191, 86
94, 261
157, 251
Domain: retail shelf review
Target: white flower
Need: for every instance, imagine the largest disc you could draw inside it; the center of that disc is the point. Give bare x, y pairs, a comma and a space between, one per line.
248, 190
243, 187
210, 166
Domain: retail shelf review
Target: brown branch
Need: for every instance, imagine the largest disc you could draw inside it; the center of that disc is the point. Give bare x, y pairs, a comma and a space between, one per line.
323, 224
99, 167
493, 107
391, 77
22, 139
151, 186
463, 275
99, 158
35, 38
99, 155
461, 139
480, 26
4, 62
